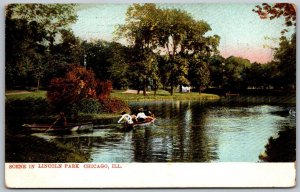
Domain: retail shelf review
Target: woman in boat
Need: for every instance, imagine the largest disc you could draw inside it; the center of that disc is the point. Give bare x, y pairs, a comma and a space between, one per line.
141, 116
125, 118
148, 112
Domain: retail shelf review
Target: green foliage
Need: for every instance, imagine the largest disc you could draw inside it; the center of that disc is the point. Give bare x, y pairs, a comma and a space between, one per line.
235, 72
281, 149
199, 74
87, 105
285, 58
31, 31
21, 149
171, 31
53, 17
217, 69
18, 111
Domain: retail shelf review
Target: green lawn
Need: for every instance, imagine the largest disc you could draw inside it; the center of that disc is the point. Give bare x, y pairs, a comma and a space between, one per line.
160, 95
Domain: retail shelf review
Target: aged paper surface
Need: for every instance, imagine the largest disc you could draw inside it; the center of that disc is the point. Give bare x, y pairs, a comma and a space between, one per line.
219, 79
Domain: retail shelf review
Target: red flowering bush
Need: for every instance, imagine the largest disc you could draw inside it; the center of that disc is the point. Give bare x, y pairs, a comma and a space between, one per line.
103, 89
79, 89
79, 83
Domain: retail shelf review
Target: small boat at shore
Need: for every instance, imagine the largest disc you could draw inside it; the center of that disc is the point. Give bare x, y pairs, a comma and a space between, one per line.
146, 122
71, 127
232, 94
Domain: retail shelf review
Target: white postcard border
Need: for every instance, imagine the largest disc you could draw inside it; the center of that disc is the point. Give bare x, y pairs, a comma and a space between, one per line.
149, 175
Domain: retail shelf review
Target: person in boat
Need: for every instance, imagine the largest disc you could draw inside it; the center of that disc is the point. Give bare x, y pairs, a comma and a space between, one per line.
141, 116
61, 120
125, 118
148, 112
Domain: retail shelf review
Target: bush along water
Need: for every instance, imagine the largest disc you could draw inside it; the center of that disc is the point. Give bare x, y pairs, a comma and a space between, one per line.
281, 149
27, 110
79, 92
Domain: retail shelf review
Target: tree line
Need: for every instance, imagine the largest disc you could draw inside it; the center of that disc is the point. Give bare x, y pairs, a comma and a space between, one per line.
165, 48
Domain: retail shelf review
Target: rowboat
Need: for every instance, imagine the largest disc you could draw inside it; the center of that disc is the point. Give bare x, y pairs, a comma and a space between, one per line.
70, 127
146, 122
232, 94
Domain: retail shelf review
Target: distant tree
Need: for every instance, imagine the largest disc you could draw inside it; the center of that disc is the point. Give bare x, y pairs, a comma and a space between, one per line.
199, 74
119, 64
217, 69
276, 10
235, 73
98, 53
284, 64
69, 49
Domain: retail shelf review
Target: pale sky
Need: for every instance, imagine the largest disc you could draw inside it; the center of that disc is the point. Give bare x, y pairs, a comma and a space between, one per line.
242, 32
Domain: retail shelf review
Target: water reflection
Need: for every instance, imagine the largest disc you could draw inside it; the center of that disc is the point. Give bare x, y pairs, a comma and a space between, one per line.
186, 132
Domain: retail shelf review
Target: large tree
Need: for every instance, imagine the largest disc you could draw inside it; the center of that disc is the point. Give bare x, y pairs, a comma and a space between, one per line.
235, 73
169, 32
140, 32
31, 31
53, 17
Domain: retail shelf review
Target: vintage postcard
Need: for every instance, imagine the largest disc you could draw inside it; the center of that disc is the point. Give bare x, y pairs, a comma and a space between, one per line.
148, 95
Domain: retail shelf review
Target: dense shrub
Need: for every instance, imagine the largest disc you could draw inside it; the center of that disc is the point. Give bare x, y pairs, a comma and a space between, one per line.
87, 105
79, 89
26, 110
113, 105
281, 149
103, 89
79, 83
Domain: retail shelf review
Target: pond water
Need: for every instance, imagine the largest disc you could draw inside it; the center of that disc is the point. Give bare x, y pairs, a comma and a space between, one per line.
185, 131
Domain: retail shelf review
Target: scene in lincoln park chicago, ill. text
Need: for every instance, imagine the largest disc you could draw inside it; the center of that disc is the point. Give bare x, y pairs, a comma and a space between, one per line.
131, 83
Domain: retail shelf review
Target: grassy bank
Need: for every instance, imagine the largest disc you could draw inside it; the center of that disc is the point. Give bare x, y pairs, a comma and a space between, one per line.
162, 95
20, 148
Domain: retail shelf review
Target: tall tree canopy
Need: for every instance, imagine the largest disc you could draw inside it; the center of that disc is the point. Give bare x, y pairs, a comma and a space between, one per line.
169, 32
53, 17
31, 30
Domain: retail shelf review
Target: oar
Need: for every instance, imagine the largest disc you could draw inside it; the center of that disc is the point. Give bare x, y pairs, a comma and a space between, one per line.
99, 126
51, 125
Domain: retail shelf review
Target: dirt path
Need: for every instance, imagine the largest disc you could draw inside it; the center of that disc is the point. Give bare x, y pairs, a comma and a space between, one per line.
17, 93
133, 91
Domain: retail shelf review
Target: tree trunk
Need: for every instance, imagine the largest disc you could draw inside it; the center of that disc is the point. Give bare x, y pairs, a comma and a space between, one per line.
180, 88
51, 42
154, 85
172, 86
38, 85
199, 89
145, 87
